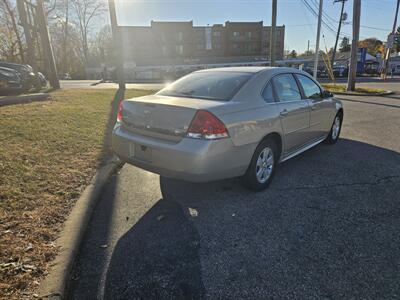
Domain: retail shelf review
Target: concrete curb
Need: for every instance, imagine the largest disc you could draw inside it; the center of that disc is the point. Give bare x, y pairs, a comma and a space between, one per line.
96, 83
9, 100
55, 285
360, 94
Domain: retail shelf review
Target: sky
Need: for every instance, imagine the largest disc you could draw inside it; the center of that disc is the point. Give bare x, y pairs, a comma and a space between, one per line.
376, 16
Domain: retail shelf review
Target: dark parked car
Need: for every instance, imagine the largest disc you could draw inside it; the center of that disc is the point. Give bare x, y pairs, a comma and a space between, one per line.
320, 73
28, 77
10, 81
42, 78
65, 76
340, 71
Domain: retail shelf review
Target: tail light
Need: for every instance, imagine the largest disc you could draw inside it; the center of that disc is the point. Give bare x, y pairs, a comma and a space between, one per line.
206, 126
119, 114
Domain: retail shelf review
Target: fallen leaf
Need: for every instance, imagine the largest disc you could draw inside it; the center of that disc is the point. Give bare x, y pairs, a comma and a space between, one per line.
29, 247
160, 217
193, 212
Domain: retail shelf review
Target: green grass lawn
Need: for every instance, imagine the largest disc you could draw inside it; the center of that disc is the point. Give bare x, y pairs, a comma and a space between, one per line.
48, 153
343, 88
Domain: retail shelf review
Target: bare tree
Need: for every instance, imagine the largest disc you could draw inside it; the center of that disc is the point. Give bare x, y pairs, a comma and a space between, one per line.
72, 50
84, 13
58, 13
101, 46
65, 37
9, 23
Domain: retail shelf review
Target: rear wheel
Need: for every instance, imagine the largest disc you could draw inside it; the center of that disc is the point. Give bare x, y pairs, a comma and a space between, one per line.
333, 135
262, 166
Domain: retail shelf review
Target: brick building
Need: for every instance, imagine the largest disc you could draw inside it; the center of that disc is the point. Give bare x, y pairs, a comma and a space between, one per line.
171, 43
172, 49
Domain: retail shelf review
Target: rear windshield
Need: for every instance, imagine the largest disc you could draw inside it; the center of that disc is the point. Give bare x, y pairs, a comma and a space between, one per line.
220, 86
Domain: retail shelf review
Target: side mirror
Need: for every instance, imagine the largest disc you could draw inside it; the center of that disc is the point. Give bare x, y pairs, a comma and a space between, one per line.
326, 94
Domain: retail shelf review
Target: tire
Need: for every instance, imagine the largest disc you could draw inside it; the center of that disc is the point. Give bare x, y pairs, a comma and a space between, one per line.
334, 133
266, 154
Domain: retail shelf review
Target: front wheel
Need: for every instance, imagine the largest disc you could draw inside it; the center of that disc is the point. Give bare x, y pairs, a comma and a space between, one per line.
262, 166
333, 135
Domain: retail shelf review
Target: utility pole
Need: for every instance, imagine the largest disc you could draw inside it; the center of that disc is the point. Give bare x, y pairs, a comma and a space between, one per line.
351, 82
46, 44
387, 54
117, 45
23, 16
321, 2
338, 31
273, 33
308, 47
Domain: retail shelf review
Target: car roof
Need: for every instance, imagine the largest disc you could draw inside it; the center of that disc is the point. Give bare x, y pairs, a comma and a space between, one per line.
271, 70
237, 69
8, 70
12, 65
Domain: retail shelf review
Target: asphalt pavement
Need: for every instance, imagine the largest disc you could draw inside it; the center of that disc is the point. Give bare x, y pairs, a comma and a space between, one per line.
328, 226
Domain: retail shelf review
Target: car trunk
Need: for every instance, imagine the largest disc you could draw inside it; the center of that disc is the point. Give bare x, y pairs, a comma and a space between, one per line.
162, 117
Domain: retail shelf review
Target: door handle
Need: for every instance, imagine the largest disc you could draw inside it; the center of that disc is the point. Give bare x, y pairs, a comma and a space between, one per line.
313, 107
284, 112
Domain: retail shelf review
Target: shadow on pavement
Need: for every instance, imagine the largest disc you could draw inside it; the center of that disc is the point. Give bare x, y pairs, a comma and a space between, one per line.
107, 207
326, 228
158, 258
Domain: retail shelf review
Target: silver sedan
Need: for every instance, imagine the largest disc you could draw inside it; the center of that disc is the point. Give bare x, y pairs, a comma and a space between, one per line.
227, 122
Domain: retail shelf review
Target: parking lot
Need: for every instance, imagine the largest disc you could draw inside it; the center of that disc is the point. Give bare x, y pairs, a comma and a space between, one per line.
328, 226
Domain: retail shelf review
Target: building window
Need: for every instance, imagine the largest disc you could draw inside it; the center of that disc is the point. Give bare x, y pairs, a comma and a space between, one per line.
216, 33
249, 48
248, 34
234, 46
165, 50
217, 46
180, 36
236, 33
179, 49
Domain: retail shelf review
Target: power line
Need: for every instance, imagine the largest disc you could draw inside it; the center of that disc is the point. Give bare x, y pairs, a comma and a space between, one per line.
325, 14
327, 26
311, 9
375, 28
331, 25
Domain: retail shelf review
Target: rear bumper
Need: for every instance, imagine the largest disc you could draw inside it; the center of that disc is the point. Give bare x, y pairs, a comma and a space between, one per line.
190, 159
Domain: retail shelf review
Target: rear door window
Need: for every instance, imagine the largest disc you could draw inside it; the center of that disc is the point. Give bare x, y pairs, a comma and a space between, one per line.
286, 88
310, 88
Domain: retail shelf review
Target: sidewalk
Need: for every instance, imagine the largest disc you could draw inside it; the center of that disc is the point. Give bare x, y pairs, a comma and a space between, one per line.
18, 99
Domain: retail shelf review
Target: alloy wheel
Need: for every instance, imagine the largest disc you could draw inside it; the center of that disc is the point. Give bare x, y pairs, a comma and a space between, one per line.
264, 165
336, 128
